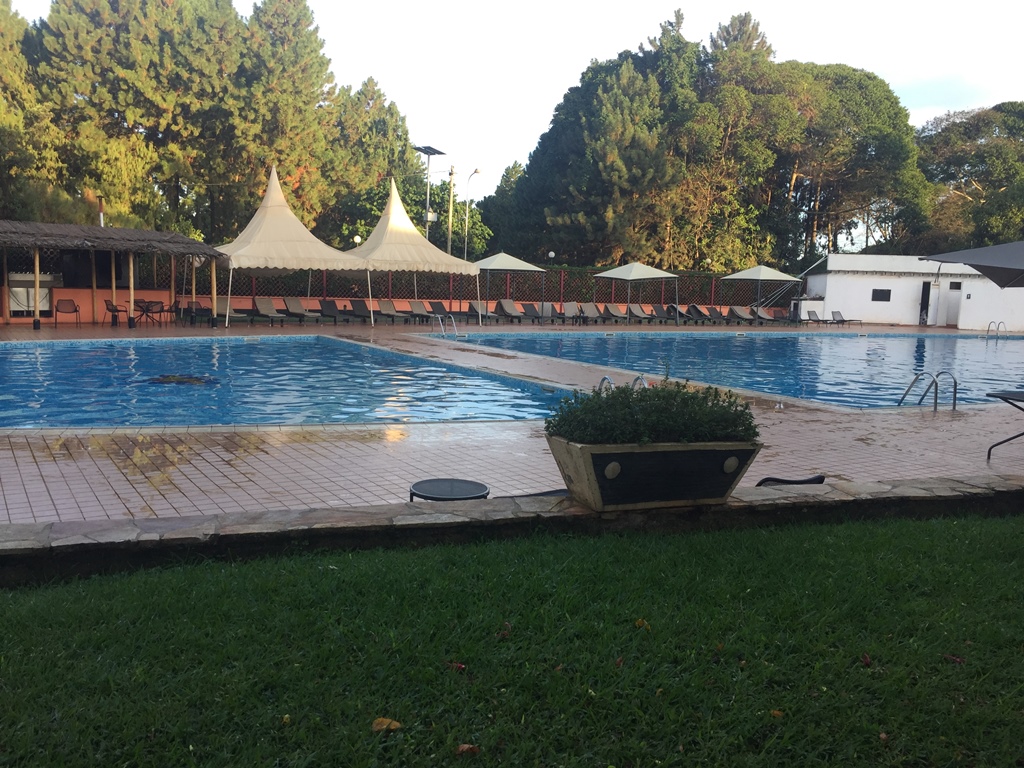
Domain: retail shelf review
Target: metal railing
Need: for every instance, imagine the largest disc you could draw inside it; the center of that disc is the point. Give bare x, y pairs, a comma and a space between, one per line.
996, 326
933, 387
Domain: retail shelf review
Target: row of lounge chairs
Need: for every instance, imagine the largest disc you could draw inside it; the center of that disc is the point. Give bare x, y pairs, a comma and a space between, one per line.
581, 313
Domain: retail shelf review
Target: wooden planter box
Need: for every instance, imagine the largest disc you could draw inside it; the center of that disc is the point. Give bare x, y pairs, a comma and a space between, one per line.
609, 478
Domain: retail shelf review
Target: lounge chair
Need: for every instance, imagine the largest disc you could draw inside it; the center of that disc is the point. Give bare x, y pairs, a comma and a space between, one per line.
507, 308
573, 312
699, 314
264, 307
478, 310
764, 316
293, 307
742, 315
222, 311
386, 308
591, 312
67, 307
329, 309
614, 313
172, 311
636, 311
812, 317
662, 313
837, 317
360, 309
418, 311
531, 311
716, 314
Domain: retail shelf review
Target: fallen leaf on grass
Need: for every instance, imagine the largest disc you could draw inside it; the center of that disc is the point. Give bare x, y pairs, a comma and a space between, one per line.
385, 724
618, 662
467, 749
776, 713
865, 660
954, 659
642, 624
455, 666
504, 632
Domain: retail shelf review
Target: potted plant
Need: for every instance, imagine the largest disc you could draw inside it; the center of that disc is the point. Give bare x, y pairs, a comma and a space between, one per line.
623, 448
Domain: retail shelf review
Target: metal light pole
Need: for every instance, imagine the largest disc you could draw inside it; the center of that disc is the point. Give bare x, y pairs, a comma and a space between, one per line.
465, 244
429, 152
451, 203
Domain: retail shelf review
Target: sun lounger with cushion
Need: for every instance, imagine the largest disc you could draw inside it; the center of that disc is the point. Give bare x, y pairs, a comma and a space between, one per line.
360, 309
614, 313
265, 308
635, 311
716, 314
293, 307
222, 311
741, 314
764, 316
507, 308
699, 314
386, 308
329, 309
479, 310
418, 311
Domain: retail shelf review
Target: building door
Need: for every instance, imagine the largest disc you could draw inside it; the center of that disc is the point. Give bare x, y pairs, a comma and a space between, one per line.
953, 305
926, 294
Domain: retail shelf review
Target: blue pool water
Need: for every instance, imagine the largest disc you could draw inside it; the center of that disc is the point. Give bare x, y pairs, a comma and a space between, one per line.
841, 369
254, 380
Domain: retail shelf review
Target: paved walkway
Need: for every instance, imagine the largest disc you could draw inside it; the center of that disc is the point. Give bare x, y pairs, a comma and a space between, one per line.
93, 476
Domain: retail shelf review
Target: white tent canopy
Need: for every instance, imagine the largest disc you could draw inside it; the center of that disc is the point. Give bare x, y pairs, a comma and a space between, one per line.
275, 239
395, 245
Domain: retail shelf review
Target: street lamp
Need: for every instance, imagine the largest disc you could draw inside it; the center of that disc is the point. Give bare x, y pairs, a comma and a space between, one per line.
465, 244
429, 152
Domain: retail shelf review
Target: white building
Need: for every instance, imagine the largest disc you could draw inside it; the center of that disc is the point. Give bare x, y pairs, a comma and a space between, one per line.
906, 290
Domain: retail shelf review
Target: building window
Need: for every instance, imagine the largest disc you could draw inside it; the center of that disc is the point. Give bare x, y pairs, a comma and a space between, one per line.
881, 294
954, 286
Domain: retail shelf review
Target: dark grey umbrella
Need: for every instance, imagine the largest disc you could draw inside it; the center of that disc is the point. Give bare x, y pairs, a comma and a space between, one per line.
1002, 264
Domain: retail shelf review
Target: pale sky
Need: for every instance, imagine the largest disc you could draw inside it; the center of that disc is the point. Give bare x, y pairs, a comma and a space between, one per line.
480, 81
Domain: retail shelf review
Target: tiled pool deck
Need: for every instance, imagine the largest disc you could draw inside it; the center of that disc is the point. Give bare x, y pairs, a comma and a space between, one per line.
73, 487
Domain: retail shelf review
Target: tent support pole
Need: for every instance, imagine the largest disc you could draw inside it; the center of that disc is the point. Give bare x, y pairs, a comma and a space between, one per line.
369, 293
227, 309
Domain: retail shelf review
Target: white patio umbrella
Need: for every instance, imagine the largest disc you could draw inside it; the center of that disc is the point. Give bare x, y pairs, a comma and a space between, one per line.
638, 271
760, 273
503, 262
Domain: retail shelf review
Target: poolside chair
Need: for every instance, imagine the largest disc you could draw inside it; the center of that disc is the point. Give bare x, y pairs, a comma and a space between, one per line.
67, 307
507, 308
293, 307
386, 308
699, 314
418, 311
614, 313
741, 315
329, 310
360, 309
837, 317
171, 312
636, 311
764, 316
479, 310
195, 311
115, 311
716, 315
223, 310
264, 307
812, 317
530, 310
573, 312
663, 314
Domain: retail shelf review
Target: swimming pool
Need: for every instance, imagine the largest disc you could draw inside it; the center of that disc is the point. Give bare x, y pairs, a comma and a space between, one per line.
855, 370
250, 380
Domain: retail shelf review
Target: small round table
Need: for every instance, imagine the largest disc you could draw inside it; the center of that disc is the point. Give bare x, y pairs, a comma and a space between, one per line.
448, 489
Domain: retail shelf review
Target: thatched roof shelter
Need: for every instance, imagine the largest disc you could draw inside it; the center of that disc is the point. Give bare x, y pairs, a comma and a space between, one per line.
31, 234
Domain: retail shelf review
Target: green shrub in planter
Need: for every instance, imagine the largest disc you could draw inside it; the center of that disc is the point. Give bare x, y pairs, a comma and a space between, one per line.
666, 446
668, 413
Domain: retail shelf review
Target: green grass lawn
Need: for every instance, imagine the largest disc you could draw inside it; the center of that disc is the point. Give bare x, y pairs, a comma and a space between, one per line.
898, 643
